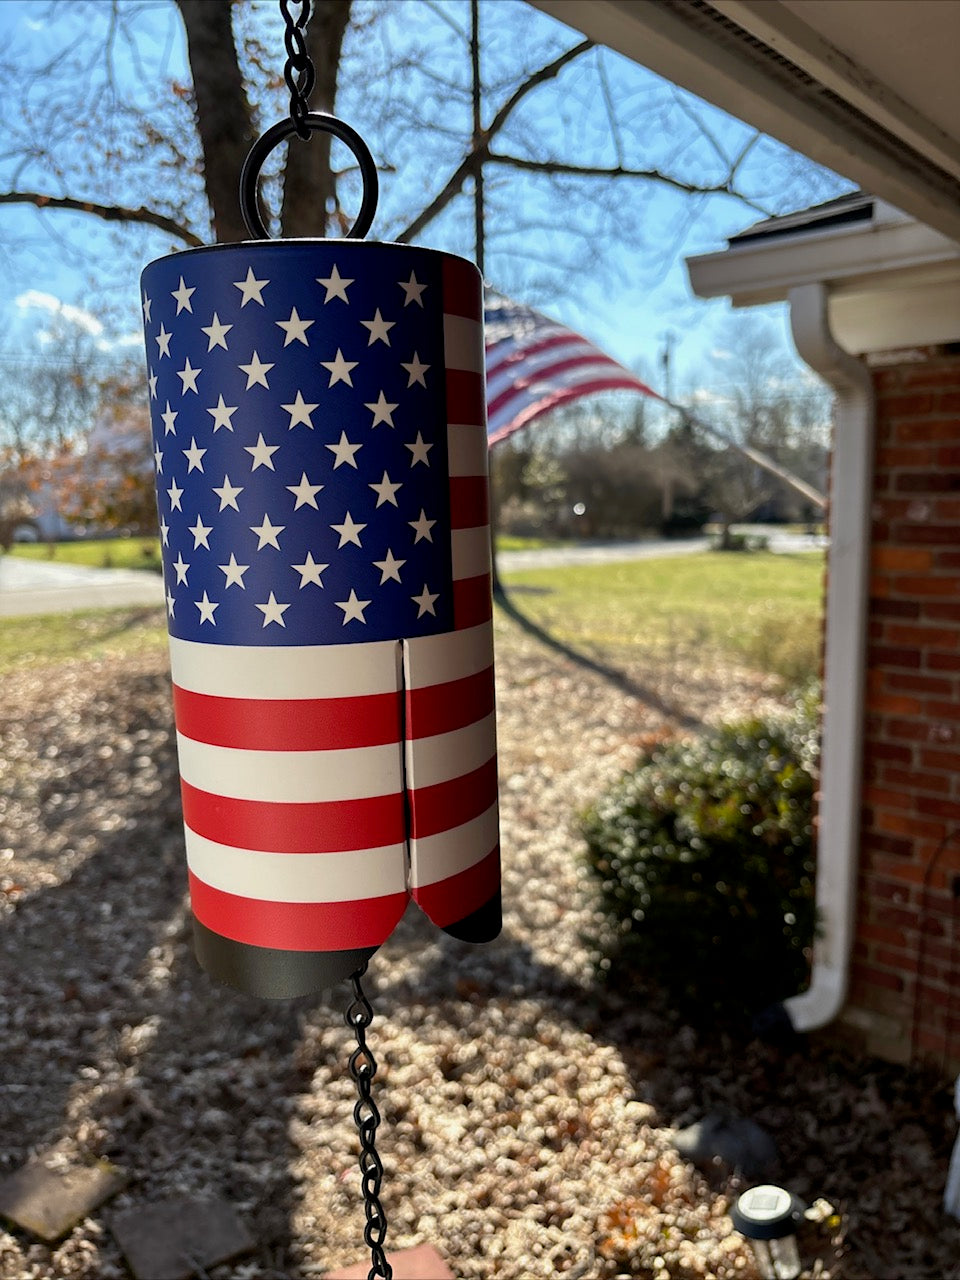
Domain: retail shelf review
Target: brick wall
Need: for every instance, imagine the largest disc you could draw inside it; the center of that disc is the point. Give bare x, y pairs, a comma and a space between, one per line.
906, 972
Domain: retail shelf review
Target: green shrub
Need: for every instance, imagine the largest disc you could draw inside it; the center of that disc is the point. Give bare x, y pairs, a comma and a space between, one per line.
703, 860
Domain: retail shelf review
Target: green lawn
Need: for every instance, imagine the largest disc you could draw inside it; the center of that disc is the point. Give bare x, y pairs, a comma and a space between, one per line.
764, 610
100, 553
760, 608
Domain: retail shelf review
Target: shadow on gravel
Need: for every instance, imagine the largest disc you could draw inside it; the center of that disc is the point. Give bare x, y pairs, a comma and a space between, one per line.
619, 679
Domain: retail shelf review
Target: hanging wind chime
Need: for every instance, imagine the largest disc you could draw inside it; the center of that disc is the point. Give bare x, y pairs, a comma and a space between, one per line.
318, 422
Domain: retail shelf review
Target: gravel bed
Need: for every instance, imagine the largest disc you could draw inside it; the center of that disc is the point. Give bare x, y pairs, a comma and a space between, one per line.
528, 1113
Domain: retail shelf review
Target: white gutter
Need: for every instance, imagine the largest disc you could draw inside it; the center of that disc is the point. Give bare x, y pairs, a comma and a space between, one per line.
841, 752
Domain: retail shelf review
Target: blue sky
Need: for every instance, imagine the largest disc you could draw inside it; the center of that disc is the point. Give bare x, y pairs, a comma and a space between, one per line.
628, 300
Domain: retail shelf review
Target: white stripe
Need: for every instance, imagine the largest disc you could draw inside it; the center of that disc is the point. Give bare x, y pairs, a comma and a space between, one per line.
450, 755
467, 450
305, 671
463, 344
470, 551
499, 351
291, 777
546, 387
297, 877
527, 366
434, 858
430, 660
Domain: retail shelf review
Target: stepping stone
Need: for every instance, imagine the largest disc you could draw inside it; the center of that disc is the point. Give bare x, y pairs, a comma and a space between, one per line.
177, 1238
421, 1263
48, 1202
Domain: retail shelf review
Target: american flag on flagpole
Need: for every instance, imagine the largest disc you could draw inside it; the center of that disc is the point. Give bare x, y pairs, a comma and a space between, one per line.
535, 364
320, 451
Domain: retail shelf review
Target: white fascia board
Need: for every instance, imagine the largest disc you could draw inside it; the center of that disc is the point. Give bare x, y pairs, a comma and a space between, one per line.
659, 38
782, 30
762, 271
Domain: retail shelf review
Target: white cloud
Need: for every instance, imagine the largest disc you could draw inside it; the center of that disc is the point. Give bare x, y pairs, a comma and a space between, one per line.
34, 300
720, 353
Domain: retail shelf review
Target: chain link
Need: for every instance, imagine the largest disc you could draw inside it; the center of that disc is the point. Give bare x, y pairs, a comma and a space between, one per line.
299, 71
363, 1067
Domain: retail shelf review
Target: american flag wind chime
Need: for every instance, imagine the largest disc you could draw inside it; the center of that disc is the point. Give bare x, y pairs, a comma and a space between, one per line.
318, 421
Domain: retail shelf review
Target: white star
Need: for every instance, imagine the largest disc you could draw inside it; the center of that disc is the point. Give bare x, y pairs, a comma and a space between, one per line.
169, 418
309, 571
305, 492
233, 572
389, 567
425, 601
200, 532
181, 567
175, 494
152, 380
207, 607
386, 491
422, 527
262, 453
164, 532
183, 295
382, 411
294, 329
413, 290
340, 369
227, 493
267, 533
273, 611
415, 369
147, 304
251, 288
349, 531
352, 608
335, 286
216, 332
379, 328
170, 604
256, 372
344, 451
188, 375
419, 450
163, 341
299, 411
158, 459
194, 456
221, 415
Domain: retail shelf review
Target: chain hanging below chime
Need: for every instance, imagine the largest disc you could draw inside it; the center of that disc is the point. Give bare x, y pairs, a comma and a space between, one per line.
332, 665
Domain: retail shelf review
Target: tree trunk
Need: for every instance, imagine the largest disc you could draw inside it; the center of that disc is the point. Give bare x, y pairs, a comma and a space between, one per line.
309, 187
224, 117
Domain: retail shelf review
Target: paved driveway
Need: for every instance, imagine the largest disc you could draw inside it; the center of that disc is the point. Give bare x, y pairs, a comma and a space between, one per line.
42, 586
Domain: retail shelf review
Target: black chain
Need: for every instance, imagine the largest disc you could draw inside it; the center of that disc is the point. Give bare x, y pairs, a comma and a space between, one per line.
299, 72
363, 1067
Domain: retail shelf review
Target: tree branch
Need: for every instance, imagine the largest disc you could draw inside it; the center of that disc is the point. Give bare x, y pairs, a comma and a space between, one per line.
480, 151
621, 171
108, 212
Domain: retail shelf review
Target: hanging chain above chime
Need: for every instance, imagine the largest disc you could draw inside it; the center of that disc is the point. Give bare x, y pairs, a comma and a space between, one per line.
300, 78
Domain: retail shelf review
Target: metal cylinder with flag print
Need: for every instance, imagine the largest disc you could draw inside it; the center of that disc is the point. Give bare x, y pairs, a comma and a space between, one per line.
319, 436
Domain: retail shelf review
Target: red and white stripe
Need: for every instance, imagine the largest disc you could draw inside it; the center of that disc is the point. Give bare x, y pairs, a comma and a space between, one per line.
362, 773
543, 367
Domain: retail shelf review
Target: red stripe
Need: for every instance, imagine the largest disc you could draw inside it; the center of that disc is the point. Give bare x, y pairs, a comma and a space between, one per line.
441, 708
465, 397
516, 350
454, 898
472, 601
469, 505
462, 289
546, 374
328, 826
554, 398
449, 804
297, 926
288, 724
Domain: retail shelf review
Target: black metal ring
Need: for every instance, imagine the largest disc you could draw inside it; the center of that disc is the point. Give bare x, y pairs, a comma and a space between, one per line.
322, 123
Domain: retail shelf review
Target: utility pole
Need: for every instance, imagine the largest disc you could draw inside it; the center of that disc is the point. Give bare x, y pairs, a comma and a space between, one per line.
666, 363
